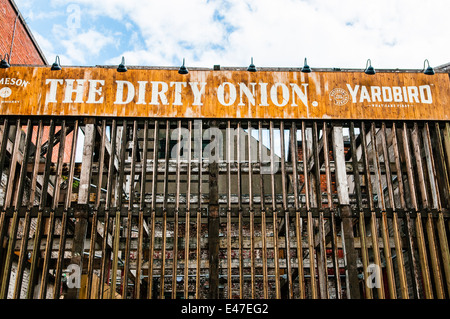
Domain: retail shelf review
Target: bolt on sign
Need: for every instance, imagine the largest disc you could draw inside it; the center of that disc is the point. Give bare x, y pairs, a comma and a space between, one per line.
223, 94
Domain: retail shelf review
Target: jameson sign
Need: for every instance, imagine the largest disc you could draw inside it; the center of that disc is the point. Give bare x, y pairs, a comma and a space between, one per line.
223, 94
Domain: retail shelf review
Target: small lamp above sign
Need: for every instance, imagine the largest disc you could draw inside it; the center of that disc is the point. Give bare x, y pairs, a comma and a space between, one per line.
4, 64
251, 67
429, 70
56, 66
183, 69
122, 67
369, 68
306, 68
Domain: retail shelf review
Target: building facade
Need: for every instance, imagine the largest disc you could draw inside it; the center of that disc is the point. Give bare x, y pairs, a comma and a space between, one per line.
222, 183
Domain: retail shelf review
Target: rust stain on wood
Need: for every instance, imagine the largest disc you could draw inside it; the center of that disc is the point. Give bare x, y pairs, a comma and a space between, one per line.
223, 94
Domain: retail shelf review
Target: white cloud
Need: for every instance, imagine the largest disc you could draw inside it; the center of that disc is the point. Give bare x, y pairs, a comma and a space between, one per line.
78, 46
49, 50
392, 33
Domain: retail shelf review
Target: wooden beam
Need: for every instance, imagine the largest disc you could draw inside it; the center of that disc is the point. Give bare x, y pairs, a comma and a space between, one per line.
347, 223
213, 227
81, 212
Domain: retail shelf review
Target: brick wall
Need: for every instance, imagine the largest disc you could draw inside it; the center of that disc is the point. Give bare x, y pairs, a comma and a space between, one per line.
24, 50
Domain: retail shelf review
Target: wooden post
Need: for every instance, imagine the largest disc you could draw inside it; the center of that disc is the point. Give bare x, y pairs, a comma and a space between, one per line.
347, 223
81, 210
326, 156
213, 227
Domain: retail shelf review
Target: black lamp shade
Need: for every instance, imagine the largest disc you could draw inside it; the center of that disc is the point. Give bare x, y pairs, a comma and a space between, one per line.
183, 69
429, 70
4, 64
306, 68
369, 69
56, 66
251, 67
122, 67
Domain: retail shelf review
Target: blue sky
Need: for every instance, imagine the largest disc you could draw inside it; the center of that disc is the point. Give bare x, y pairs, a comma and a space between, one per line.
392, 33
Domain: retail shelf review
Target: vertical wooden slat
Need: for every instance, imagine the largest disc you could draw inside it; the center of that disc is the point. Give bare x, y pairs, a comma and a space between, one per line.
35, 255
153, 208
188, 214
322, 257
373, 219
310, 229
10, 182
213, 224
140, 251
384, 222
18, 196
347, 220
175, 221
51, 225
439, 284
71, 166
42, 204
4, 221
334, 244
126, 266
18, 201
48, 249
59, 166
61, 250
359, 204
229, 278
37, 158
395, 223
94, 220
251, 209
229, 184
11, 177
409, 226
56, 200
38, 229
119, 201
263, 214
426, 205
240, 217
101, 165
164, 220
81, 212
8, 261
4, 142
419, 229
443, 240
115, 261
106, 252
198, 252
126, 258
298, 219
62, 240
199, 132
274, 211
286, 214
446, 133
23, 253
48, 161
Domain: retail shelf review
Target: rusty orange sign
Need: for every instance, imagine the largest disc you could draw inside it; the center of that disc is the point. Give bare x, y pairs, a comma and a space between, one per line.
79, 91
